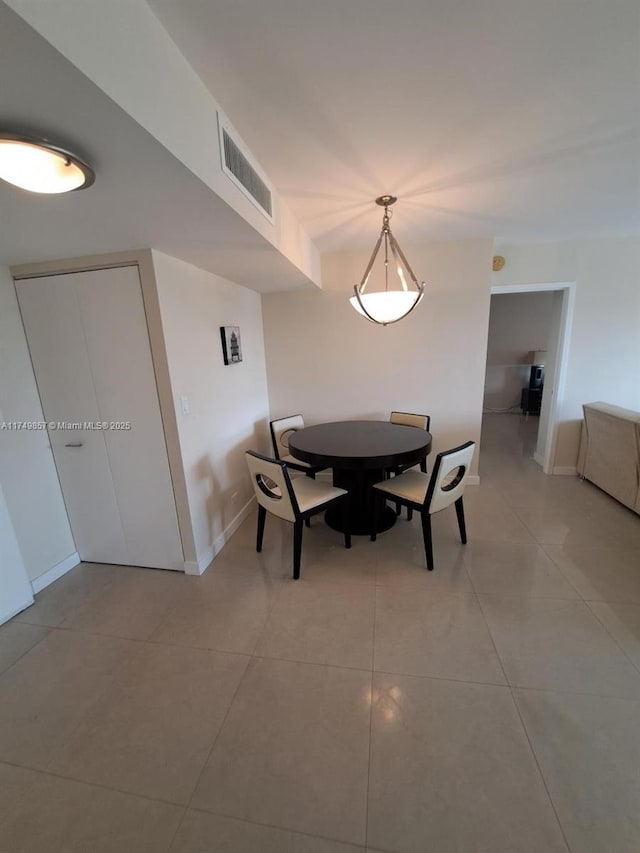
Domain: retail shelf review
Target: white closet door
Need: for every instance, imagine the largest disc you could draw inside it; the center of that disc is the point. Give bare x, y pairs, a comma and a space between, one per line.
53, 324
90, 348
125, 386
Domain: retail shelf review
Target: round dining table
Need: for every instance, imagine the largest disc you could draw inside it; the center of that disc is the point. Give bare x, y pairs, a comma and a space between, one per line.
360, 452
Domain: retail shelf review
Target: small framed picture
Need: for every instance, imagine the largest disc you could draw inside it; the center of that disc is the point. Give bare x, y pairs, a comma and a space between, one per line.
231, 346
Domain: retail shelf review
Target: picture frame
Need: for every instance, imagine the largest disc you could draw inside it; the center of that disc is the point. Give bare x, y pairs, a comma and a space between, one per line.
231, 344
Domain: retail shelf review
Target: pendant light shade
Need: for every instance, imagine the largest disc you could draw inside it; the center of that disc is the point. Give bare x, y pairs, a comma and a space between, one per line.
398, 298
386, 306
40, 167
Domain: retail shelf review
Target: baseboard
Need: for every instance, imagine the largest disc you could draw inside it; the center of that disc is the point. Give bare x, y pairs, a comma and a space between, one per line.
566, 471
6, 616
197, 568
48, 577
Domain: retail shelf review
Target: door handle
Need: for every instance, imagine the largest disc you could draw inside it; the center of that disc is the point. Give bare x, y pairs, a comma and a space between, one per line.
74, 444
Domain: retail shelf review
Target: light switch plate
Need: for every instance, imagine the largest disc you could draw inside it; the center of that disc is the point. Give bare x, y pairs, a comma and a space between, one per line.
184, 404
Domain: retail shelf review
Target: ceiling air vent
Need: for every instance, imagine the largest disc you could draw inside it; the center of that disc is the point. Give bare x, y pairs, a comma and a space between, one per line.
237, 166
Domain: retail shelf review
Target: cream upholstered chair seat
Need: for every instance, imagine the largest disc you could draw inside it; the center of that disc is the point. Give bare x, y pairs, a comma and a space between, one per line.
312, 493
411, 487
281, 431
432, 494
291, 500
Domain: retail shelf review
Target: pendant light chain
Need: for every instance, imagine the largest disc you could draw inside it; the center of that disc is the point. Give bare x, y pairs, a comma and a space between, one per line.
385, 231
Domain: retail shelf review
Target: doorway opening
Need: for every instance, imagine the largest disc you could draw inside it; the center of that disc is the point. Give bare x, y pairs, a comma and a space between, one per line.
527, 351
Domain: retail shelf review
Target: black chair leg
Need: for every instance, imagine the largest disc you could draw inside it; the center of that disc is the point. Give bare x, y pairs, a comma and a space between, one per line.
409, 513
461, 524
346, 523
262, 515
307, 521
311, 474
398, 508
423, 465
426, 535
297, 548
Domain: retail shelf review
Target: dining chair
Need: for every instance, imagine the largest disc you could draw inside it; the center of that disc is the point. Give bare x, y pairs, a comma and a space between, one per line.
281, 430
292, 500
432, 494
410, 419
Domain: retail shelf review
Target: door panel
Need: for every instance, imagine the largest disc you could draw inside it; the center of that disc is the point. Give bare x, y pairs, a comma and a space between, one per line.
51, 316
120, 357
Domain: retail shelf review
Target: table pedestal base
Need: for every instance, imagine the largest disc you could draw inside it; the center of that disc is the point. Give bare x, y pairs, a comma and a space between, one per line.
385, 520
360, 502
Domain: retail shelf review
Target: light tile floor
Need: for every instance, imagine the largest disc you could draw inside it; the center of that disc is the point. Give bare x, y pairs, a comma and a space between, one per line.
492, 705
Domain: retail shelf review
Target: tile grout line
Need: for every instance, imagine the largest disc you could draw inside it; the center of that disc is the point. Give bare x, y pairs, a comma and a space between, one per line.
542, 776
110, 681
265, 625
244, 820
555, 692
7, 815
526, 733
588, 602
26, 652
371, 694
608, 632
222, 724
508, 686
559, 568
543, 548
150, 642
100, 785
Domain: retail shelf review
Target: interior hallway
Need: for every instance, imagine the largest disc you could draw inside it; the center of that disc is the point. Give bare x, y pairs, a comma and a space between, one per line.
491, 705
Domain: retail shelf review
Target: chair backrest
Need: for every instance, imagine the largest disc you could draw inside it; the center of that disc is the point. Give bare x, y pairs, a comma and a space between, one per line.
281, 430
442, 492
409, 419
272, 486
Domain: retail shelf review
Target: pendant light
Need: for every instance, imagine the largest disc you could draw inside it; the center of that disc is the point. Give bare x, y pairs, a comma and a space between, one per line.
393, 303
39, 166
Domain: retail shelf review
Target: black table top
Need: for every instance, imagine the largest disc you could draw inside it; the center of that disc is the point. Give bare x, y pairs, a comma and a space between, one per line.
360, 444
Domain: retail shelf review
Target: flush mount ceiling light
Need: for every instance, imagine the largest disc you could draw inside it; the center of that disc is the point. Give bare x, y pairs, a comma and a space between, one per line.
391, 304
40, 167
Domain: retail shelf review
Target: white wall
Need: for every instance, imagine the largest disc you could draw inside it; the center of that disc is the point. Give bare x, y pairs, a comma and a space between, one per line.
27, 470
229, 409
15, 589
550, 370
329, 363
604, 350
518, 323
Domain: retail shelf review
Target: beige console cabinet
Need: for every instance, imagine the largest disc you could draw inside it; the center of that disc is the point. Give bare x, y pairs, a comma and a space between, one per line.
610, 451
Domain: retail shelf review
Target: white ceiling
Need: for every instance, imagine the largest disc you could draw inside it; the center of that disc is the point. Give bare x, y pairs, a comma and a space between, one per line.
512, 119
143, 196
517, 119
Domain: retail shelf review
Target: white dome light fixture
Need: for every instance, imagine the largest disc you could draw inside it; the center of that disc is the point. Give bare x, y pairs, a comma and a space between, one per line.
389, 305
39, 166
